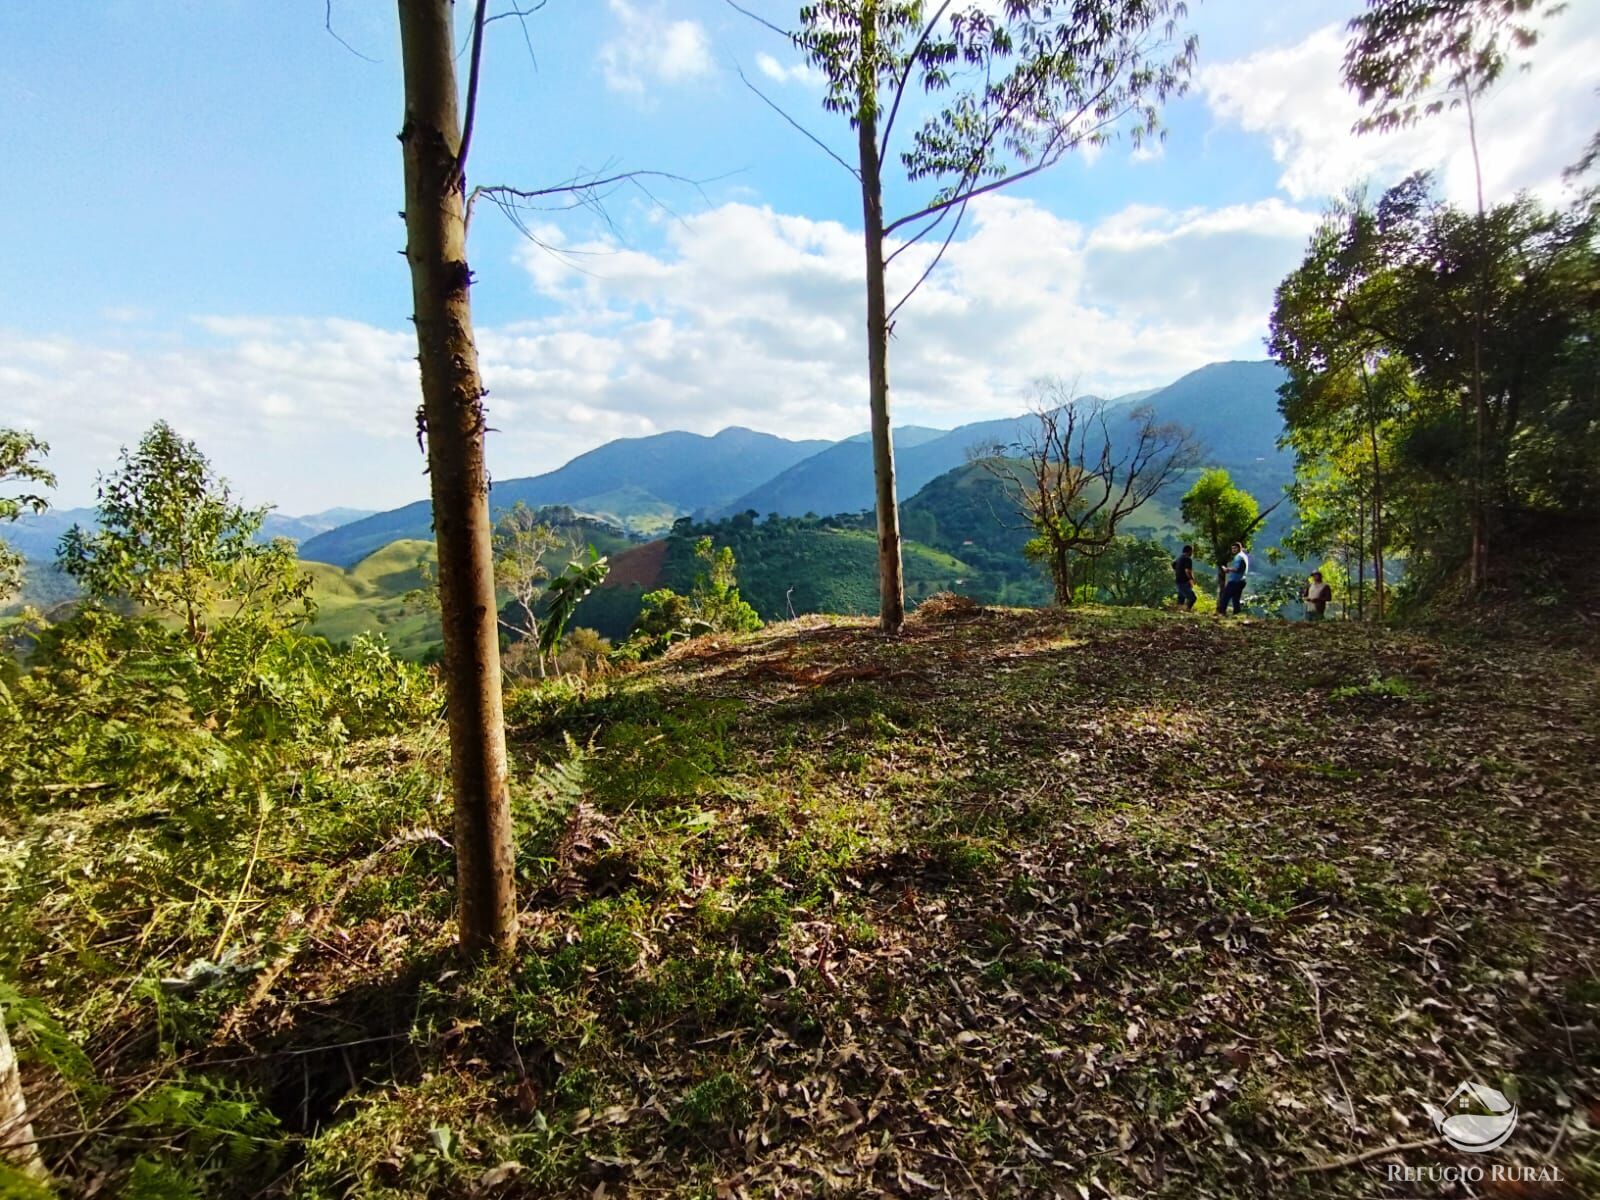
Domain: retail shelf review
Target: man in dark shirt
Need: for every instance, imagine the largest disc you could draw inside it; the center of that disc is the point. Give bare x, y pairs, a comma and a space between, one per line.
1183, 571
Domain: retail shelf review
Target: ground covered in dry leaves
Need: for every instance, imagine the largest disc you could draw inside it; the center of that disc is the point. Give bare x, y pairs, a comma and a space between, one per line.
1016, 904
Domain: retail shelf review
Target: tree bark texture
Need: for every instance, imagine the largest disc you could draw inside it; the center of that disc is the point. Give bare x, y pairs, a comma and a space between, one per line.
891, 584
453, 415
16, 1130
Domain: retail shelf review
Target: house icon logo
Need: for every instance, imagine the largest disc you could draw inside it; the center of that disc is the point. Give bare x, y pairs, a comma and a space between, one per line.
1476, 1119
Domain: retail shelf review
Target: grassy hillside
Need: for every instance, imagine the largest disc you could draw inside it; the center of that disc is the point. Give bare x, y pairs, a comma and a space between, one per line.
1023, 904
369, 598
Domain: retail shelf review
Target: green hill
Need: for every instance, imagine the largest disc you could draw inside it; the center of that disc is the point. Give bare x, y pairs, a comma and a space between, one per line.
370, 597
1232, 407
810, 565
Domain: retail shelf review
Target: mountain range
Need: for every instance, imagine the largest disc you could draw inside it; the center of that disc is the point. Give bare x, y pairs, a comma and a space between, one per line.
36, 535
958, 515
642, 484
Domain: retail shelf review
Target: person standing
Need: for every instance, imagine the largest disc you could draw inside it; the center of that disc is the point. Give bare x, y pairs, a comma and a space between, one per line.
1316, 597
1183, 571
1233, 588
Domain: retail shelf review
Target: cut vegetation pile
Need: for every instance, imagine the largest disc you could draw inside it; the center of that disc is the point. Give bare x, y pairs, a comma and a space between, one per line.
1106, 904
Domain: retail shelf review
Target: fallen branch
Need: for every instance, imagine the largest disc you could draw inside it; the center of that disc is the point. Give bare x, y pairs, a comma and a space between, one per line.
1351, 1160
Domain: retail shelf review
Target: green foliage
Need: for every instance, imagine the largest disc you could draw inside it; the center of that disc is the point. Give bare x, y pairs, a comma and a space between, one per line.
113, 699
172, 541
1133, 571
1380, 358
1053, 78
1219, 514
713, 605
214, 1134
787, 565
1408, 60
715, 598
21, 453
567, 590
521, 544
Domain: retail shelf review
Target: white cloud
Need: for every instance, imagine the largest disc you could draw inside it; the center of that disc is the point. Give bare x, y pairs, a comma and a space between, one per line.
741, 316
793, 73
649, 48
1530, 126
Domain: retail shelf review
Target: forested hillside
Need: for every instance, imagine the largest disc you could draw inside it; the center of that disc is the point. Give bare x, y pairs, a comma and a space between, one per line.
788, 565
1232, 408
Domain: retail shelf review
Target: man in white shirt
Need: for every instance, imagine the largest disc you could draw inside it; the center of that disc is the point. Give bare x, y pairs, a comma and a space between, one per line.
1233, 589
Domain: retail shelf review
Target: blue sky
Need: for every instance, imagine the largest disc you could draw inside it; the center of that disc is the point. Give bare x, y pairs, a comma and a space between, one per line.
200, 221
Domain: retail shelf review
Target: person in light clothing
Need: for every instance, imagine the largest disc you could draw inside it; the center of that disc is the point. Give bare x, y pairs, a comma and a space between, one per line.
1316, 597
1233, 589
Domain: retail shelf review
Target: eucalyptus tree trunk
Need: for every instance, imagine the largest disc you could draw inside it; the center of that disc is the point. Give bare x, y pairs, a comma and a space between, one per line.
16, 1130
891, 584
452, 413
1479, 571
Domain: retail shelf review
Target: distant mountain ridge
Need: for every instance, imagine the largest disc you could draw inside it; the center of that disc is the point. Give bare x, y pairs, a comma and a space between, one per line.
36, 535
1232, 407
654, 477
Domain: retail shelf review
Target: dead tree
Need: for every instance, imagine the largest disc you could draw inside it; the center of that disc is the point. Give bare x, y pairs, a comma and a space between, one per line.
1085, 468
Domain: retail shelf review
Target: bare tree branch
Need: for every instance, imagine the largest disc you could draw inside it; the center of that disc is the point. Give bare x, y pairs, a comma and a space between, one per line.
855, 172
1080, 487
1064, 140
585, 192
900, 88
522, 15
759, 20
327, 24
458, 176
923, 278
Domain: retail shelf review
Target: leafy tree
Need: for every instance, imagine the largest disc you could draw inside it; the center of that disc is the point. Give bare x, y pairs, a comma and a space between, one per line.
172, 540
1445, 431
713, 605
521, 542
1408, 59
1133, 571
566, 591
20, 455
1088, 469
1030, 81
1220, 514
1348, 392
715, 598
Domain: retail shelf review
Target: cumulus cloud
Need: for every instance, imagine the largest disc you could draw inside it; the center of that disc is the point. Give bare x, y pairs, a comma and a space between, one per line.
742, 315
1530, 126
650, 48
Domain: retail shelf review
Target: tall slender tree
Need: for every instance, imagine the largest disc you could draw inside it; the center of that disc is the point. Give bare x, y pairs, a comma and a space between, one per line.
452, 419
1409, 59
1032, 80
